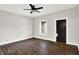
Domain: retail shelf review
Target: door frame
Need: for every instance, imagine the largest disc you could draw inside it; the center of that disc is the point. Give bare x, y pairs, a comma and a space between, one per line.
66, 18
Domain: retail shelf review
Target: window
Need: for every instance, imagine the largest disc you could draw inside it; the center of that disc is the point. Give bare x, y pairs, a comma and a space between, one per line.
43, 27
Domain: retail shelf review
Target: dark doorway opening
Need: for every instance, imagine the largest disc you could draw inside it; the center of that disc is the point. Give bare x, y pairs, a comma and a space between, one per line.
61, 30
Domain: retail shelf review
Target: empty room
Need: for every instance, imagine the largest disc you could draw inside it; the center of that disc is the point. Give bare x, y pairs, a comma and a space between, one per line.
39, 29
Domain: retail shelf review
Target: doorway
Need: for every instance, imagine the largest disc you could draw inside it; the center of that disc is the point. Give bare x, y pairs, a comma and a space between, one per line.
61, 30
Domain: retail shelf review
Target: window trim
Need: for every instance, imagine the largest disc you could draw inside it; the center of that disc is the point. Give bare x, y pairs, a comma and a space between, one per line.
40, 28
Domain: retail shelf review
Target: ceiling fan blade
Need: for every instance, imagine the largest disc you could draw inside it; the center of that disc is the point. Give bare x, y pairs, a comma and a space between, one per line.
40, 8
32, 6
27, 9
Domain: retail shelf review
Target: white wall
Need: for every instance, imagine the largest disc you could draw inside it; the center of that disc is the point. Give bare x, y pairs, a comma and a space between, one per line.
78, 21
72, 25
14, 27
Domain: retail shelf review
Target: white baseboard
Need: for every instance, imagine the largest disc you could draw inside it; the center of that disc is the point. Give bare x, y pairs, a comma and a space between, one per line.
74, 43
11, 41
45, 38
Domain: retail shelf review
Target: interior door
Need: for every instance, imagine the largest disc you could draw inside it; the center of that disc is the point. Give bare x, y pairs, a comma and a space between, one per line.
61, 30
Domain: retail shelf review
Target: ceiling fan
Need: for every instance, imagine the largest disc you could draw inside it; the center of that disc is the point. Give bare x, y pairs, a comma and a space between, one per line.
33, 8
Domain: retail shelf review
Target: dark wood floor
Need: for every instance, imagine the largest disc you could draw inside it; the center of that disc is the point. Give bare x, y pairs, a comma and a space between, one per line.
35, 46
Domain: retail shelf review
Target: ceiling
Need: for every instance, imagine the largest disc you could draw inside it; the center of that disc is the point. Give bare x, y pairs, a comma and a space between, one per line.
47, 8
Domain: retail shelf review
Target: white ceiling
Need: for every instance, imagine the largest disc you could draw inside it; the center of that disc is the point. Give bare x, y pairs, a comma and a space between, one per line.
47, 8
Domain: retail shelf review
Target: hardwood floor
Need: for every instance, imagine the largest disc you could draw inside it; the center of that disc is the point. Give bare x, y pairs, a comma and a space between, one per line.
35, 46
